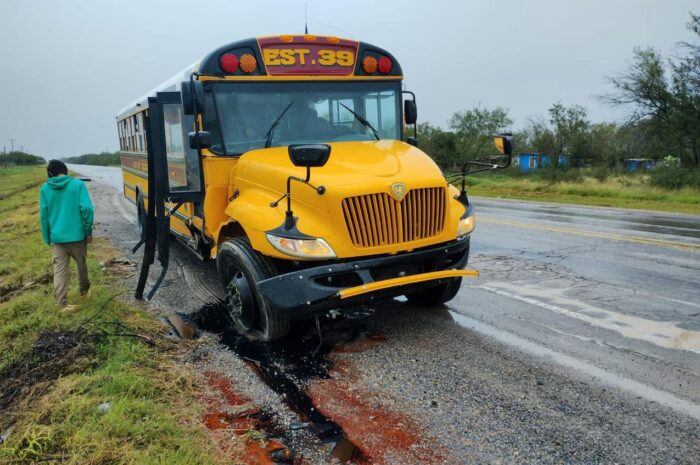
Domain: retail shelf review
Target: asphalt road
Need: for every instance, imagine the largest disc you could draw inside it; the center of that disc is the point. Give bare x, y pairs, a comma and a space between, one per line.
579, 342
616, 289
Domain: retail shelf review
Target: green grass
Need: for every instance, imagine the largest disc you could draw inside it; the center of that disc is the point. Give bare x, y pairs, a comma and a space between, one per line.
623, 191
154, 414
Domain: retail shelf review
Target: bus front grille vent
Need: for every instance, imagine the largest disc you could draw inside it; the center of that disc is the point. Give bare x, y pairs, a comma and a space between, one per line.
375, 220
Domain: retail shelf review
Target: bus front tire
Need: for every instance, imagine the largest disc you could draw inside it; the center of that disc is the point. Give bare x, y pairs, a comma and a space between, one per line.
240, 267
436, 295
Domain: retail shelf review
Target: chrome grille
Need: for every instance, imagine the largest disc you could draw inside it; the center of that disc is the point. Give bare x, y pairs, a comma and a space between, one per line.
378, 219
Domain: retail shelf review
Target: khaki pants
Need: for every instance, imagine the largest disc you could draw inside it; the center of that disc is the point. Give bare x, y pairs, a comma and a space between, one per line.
62, 253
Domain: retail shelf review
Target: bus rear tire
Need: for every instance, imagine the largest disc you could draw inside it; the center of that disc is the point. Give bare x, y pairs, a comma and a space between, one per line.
240, 268
436, 295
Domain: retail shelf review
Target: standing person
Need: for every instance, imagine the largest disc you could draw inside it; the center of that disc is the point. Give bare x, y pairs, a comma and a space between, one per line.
66, 224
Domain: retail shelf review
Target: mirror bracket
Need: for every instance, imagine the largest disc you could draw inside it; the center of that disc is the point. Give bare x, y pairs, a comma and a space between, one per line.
504, 142
308, 156
199, 140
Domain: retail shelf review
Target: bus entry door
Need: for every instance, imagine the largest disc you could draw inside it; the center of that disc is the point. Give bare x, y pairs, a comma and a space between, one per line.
174, 176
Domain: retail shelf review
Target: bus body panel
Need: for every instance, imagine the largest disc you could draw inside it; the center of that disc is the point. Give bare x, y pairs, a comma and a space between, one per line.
385, 208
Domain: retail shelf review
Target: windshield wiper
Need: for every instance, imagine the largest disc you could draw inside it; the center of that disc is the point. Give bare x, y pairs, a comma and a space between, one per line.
271, 131
362, 121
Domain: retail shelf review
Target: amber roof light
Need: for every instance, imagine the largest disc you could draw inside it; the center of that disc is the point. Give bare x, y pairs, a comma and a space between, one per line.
248, 63
369, 64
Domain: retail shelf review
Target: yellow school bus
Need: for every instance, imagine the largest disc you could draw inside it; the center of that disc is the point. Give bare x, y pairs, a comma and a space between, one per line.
287, 159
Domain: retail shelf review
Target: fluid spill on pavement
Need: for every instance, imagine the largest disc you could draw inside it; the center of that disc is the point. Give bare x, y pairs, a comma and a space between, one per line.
180, 328
286, 367
263, 441
324, 392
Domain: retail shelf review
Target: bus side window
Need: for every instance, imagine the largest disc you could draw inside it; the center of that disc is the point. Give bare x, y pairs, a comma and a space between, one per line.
211, 124
183, 162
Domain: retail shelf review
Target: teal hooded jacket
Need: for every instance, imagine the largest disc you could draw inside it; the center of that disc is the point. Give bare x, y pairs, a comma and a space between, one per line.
66, 210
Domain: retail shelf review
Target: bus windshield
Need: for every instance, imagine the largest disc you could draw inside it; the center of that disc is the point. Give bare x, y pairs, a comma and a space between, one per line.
242, 116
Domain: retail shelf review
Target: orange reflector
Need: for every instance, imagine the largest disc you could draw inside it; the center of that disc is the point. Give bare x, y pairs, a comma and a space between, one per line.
286, 38
310, 38
369, 64
248, 63
332, 40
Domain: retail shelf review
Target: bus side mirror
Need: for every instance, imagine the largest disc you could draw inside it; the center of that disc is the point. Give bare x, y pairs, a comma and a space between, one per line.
504, 144
309, 155
199, 139
192, 93
410, 111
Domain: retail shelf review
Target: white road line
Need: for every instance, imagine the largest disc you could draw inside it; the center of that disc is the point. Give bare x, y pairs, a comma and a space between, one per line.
678, 301
661, 333
605, 376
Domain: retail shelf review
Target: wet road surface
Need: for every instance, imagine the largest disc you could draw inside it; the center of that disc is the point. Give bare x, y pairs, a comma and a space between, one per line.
618, 289
579, 342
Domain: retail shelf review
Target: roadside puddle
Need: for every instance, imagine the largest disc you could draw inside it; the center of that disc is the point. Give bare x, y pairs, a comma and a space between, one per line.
353, 426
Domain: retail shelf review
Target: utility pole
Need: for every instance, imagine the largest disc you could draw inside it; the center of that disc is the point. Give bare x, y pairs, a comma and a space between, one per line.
12, 141
21, 148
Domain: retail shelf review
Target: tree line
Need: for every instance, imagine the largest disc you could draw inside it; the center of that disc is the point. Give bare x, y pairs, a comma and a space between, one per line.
16, 158
662, 96
98, 159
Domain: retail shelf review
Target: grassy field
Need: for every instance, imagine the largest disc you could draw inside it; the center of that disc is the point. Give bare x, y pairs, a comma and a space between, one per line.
56, 369
623, 191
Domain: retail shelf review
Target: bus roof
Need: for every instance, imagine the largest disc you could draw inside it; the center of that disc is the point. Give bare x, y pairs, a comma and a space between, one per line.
285, 57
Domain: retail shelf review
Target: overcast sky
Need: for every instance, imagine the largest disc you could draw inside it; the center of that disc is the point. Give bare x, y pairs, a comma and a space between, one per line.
69, 66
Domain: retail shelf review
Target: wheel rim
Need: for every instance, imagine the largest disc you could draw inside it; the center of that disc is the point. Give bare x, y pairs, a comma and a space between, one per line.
241, 302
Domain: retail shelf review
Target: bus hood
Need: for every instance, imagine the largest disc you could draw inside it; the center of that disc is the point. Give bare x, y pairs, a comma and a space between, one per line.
350, 163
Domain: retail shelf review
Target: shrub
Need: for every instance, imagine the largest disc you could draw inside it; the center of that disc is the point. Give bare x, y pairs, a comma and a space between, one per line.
671, 177
560, 174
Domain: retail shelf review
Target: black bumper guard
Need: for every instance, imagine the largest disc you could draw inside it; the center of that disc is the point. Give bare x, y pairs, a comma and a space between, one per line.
311, 291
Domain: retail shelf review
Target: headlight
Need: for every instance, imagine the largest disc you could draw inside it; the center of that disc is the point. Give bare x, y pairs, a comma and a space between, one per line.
303, 248
465, 226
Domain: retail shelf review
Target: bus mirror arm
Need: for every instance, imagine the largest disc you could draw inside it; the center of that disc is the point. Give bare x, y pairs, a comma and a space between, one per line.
308, 156
505, 147
199, 140
289, 221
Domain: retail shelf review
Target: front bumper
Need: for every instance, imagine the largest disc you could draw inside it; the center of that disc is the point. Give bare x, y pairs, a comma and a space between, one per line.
300, 294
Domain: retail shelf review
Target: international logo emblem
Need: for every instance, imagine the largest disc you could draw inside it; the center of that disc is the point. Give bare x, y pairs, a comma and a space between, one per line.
398, 189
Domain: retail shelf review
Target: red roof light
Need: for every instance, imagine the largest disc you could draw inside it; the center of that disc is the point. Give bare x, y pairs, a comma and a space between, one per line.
229, 63
384, 65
